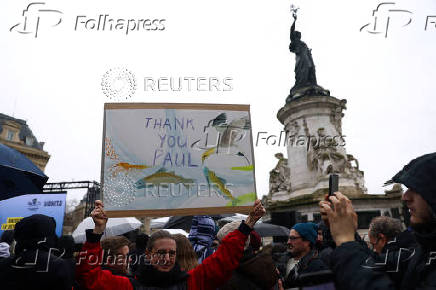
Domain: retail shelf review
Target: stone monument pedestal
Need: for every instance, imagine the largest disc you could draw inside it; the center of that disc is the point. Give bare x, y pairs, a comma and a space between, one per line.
316, 147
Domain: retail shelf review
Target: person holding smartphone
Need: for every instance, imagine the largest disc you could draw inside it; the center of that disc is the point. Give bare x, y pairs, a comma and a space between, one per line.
348, 259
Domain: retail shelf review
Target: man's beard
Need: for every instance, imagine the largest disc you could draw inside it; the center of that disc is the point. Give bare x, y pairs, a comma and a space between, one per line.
428, 221
293, 253
427, 226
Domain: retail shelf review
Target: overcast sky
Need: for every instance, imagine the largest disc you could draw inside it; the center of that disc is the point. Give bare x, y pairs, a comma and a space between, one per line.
54, 80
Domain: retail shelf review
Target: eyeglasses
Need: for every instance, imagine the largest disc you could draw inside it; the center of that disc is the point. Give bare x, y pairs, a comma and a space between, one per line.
293, 238
162, 253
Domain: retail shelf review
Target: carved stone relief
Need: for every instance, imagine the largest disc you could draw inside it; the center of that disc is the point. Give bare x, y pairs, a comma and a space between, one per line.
279, 176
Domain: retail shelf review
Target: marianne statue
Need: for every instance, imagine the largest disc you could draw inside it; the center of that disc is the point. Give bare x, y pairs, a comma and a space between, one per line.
305, 76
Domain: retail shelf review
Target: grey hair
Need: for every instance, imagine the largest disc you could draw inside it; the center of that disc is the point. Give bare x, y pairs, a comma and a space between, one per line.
228, 228
385, 225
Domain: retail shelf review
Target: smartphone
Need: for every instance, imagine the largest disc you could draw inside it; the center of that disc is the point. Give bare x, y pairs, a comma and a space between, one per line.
333, 184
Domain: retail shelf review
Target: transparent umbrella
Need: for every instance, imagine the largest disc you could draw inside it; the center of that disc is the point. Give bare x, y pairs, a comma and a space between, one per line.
176, 231
158, 223
114, 227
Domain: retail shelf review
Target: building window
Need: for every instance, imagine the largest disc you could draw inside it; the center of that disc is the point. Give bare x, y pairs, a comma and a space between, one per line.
396, 213
10, 135
364, 218
316, 218
302, 218
29, 141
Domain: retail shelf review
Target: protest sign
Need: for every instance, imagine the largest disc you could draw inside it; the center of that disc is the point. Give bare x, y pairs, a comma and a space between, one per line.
177, 159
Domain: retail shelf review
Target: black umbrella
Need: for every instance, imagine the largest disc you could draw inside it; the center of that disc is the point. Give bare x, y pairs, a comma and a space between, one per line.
18, 175
270, 230
185, 222
179, 222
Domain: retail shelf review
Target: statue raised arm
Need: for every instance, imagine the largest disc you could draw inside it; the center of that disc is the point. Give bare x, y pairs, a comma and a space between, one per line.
293, 28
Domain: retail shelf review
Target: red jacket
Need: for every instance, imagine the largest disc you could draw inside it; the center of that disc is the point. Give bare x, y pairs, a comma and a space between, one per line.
211, 274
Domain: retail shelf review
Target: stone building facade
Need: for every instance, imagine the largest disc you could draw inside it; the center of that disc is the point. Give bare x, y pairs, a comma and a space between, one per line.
16, 134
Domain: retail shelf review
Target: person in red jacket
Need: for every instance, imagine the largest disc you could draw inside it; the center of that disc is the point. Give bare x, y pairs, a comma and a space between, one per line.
163, 271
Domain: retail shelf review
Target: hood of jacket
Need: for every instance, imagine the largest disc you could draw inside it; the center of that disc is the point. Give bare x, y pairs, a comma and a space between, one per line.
419, 175
426, 235
260, 268
203, 231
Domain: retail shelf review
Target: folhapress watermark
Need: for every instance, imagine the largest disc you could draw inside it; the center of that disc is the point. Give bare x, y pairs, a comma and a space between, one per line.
285, 139
108, 23
388, 17
38, 16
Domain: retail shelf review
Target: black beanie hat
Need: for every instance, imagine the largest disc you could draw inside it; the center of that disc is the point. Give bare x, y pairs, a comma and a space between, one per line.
35, 227
420, 176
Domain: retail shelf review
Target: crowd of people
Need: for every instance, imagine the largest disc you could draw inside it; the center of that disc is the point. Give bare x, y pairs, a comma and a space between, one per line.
327, 255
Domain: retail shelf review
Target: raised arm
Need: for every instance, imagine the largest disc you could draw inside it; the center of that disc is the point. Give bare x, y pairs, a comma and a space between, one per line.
292, 35
218, 267
88, 267
347, 259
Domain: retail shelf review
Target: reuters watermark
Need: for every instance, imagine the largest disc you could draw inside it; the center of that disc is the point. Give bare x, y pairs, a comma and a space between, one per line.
188, 84
175, 190
120, 84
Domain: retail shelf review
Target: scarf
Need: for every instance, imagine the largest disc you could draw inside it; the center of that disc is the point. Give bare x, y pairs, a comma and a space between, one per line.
147, 275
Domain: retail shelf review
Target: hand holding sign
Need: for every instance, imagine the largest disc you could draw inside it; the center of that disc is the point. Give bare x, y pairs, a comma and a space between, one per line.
99, 217
255, 214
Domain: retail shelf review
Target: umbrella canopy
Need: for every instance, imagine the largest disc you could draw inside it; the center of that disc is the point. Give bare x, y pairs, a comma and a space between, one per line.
179, 222
270, 230
158, 223
237, 217
176, 231
114, 227
18, 175
185, 222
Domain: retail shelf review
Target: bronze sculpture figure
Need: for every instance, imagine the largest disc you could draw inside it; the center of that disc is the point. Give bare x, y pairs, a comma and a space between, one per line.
305, 76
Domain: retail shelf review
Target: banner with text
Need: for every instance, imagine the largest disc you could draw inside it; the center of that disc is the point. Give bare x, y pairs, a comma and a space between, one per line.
12, 210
